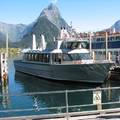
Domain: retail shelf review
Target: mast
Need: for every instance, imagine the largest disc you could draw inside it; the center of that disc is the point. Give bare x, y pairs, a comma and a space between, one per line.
7, 45
90, 43
106, 44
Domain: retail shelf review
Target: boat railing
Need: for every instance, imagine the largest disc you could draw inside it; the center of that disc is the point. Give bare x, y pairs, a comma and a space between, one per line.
64, 101
104, 61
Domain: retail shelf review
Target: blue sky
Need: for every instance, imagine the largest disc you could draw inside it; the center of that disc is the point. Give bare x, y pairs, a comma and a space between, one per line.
86, 15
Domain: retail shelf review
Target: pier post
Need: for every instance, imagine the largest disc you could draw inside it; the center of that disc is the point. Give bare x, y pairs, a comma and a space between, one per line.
109, 56
4, 69
67, 110
93, 55
97, 98
109, 88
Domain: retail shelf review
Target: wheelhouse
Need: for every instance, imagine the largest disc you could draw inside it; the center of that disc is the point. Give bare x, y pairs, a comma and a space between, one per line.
76, 44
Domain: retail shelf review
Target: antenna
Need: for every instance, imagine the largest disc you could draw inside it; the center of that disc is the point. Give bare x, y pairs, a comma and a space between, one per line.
71, 24
7, 45
71, 29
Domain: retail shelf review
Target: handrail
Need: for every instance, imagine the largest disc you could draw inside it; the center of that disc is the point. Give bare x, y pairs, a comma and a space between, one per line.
58, 108
51, 108
62, 91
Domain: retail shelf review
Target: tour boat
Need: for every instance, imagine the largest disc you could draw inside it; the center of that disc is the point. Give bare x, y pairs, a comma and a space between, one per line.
69, 60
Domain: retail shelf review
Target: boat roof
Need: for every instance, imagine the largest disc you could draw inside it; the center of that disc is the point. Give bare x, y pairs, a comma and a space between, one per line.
57, 51
63, 50
60, 51
73, 40
78, 51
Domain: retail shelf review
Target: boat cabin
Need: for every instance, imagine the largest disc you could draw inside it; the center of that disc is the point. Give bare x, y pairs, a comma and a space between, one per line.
56, 57
65, 52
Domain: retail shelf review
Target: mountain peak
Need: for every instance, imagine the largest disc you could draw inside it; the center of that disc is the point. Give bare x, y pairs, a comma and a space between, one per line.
53, 15
51, 11
52, 6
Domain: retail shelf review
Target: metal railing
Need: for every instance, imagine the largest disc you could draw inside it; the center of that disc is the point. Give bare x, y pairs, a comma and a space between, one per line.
109, 94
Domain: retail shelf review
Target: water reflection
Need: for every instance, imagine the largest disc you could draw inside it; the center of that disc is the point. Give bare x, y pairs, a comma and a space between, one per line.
5, 100
39, 84
35, 84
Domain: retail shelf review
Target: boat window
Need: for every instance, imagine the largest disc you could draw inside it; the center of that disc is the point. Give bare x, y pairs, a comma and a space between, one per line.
75, 45
30, 56
69, 45
117, 37
84, 45
67, 57
57, 57
80, 56
33, 59
40, 57
47, 58
25, 56
44, 58
36, 57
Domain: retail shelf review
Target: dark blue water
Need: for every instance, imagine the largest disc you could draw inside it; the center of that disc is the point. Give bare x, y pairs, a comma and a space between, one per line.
31, 104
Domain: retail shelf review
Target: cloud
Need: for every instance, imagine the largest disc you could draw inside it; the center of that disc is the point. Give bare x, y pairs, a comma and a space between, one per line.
54, 1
